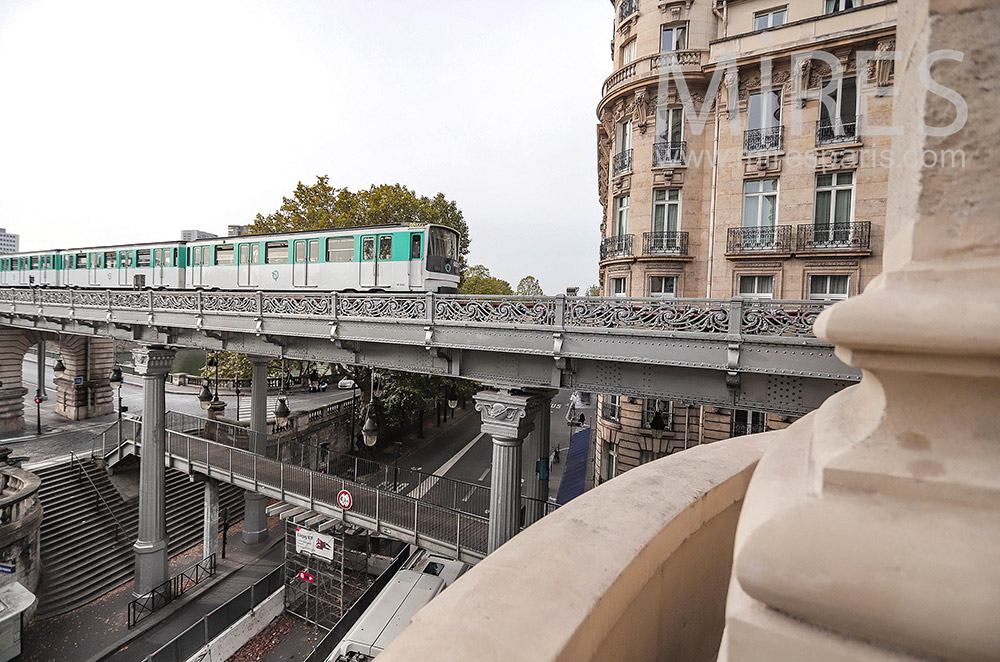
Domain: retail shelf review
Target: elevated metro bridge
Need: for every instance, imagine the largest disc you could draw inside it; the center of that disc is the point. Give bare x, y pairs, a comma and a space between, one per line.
746, 353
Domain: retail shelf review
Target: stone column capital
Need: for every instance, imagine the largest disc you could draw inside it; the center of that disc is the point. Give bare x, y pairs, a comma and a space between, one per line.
259, 360
507, 416
150, 361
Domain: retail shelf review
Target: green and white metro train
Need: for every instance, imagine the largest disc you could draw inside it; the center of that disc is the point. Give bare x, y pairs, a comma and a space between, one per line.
376, 258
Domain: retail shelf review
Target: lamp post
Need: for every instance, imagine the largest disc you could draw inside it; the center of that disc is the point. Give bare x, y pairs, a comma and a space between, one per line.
38, 410
395, 467
354, 414
281, 410
115, 381
237, 399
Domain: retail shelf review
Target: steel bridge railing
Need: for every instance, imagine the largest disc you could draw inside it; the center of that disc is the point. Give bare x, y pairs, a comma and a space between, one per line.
170, 590
556, 313
74, 461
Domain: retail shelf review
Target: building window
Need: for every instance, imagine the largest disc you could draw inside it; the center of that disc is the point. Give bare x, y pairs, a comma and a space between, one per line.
609, 467
623, 156
626, 54
756, 287
669, 146
621, 216
760, 204
666, 210
771, 18
763, 122
673, 37
834, 6
662, 286
828, 288
651, 406
748, 422
646, 456
611, 409
834, 208
838, 113
617, 287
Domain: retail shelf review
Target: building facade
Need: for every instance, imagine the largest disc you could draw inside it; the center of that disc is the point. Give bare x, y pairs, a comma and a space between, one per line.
9, 243
195, 235
743, 150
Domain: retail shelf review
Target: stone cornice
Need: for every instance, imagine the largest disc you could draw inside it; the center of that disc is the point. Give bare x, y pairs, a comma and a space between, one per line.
153, 360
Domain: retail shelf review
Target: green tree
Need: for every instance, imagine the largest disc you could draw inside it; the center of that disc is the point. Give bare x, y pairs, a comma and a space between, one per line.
477, 280
530, 287
321, 206
593, 291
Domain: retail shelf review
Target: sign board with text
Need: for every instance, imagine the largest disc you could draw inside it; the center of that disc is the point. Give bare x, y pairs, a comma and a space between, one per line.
313, 543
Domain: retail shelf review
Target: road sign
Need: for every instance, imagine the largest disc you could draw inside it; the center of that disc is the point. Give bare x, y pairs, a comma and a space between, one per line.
344, 499
7, 568
78, 381
306, 577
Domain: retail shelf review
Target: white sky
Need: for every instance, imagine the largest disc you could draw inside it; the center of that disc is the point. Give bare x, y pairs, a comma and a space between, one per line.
125, 120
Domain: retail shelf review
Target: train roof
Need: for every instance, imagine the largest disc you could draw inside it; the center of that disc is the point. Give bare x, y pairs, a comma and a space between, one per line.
215, 240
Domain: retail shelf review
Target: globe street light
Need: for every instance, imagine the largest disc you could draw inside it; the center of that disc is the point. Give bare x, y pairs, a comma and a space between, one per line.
452, 397
369, 431
205, 396
115, 381
281, 412
58, 370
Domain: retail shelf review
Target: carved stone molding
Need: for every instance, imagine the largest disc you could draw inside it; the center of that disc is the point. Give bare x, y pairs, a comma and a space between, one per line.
640, 109
507, 416
762, 164
153, 360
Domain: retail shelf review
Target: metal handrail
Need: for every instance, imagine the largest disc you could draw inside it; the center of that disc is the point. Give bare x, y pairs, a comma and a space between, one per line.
72, 460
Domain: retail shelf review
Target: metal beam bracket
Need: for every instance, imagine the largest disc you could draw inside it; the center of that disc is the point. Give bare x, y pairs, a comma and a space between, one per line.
557, 344
732, 365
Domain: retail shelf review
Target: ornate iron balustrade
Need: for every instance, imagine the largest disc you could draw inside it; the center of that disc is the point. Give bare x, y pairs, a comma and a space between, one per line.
669, 153
617, 246
626, 9
741, 429
664, 243
611, 412
855, 236
768, 139
834, 132
622, 162
768, 317
765, 239
707, 316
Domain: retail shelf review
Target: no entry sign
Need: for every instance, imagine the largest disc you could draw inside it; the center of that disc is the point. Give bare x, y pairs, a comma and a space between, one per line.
306, 577
344, 499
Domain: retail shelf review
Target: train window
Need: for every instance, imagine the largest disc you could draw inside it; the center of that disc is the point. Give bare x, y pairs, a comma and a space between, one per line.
142, 258
158, 257
385, 247
126, 260
255, 254
444, 243
415, 247
34, 262
81, 261
244, 253
223, 255
368, 248
110, 260
276, 252
340, 249
300, 252
314, 250
196, 255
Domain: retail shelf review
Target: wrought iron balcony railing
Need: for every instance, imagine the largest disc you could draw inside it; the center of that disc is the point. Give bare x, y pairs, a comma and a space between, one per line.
664, 243
618, 246
768, 139
622, 162
669, 153
838, 131
854, 236
626, 9
740, 429
766, 239
611, 411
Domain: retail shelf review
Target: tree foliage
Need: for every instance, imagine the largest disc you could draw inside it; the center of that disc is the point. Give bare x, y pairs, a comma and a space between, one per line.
321, 206
529, 286
593, 291
477, 280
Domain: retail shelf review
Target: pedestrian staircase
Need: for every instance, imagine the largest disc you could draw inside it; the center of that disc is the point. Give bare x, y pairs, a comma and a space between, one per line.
84, 552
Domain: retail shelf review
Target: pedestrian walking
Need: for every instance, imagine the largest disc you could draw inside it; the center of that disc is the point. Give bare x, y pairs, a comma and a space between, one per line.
555, 455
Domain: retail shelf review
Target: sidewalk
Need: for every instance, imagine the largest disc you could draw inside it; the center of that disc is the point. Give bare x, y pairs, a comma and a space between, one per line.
98, 631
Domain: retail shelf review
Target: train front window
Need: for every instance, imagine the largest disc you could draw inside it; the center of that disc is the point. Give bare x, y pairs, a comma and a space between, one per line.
444, 243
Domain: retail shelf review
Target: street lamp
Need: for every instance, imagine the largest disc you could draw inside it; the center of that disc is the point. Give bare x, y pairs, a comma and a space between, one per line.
281, 412
369, 431
657, 425
38, 410
452, 397
115, 381
58, 370
205, 396
237, 389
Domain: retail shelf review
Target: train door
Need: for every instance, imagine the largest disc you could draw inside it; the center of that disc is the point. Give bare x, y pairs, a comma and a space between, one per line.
306, 253
369, 265
196, 260
124, 268
26, 271
416, 262
93, 264
249, 258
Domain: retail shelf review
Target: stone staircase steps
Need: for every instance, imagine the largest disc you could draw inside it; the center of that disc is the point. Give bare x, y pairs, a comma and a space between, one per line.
81, 558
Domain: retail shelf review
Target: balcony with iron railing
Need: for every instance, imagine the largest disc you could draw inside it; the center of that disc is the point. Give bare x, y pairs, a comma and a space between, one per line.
665, 243
766, 239
854, 236
616, 247
622, 162
667, 154
743, 429
688, 61
767, 139
626, 9
838, 131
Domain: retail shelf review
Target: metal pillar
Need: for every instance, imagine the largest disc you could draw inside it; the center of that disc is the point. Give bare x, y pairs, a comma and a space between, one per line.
41, 370
210, 533
507, 418
537, 481
153, 363
254, 513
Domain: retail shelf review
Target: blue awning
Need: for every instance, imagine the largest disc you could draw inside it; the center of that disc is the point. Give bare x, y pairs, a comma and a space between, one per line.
574, 477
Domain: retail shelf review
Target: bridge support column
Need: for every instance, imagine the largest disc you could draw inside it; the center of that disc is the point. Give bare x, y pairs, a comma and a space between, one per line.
90, 360
254, 505
153, 363
508, 418
536, 484
14, 343
210, 534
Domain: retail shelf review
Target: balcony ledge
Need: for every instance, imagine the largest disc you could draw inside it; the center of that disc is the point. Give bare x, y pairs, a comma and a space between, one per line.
646, 577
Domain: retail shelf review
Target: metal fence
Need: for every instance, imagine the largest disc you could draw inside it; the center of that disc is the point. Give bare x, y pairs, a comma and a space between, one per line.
200, 634
170, 590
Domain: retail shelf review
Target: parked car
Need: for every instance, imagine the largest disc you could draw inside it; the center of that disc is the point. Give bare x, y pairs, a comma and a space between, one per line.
346, 382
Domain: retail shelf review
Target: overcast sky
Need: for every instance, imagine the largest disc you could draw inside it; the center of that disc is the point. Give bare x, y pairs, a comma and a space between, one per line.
130, 121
